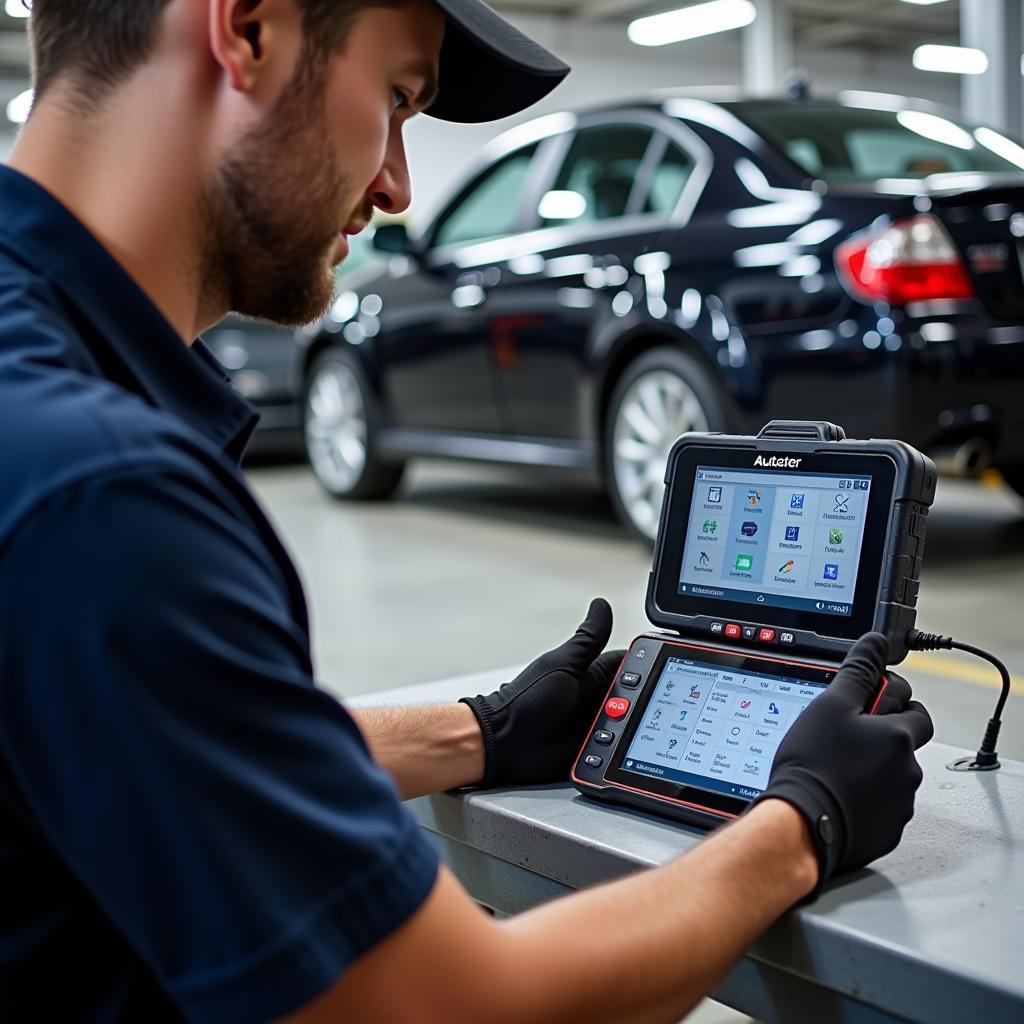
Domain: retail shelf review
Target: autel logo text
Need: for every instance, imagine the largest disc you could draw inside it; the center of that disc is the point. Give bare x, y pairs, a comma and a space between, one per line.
777, 462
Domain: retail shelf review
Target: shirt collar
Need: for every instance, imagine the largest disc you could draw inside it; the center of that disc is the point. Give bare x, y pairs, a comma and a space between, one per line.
165, 372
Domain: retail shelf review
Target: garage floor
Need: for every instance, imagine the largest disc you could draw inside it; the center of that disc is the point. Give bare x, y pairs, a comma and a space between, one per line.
472, 568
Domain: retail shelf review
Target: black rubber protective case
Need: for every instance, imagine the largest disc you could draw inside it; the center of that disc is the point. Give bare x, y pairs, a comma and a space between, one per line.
895, 603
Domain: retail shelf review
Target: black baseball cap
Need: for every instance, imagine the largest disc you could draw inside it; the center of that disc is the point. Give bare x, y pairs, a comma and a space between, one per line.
489, 69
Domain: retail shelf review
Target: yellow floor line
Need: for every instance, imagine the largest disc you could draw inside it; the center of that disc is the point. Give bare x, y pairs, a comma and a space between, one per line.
977, 674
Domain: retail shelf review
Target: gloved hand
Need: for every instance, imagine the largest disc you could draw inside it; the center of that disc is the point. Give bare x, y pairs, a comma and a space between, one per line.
534, 726
851, 775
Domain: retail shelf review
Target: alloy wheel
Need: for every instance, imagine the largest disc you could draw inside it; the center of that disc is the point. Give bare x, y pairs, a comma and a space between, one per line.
654, 411
336, 428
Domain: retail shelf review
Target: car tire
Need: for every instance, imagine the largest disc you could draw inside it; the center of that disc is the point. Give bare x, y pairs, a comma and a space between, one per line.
340, 416
1014, 477
661, 394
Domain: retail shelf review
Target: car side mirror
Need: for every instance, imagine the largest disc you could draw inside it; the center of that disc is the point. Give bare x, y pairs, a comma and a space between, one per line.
392, 238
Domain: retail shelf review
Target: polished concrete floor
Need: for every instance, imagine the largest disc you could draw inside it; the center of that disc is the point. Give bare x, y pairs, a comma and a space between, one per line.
473, 568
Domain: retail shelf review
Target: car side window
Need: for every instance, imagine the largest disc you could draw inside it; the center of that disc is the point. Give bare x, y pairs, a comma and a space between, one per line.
490, 207
804, 153
597, 178
669, 180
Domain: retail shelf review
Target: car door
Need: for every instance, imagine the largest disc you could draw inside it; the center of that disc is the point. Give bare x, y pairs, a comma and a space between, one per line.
436, 360
600, 220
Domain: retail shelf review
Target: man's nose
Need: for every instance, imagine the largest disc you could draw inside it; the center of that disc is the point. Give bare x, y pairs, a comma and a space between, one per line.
391, 190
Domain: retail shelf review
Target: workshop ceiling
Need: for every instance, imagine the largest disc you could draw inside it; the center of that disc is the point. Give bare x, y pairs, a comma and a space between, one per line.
873, 24
883, 25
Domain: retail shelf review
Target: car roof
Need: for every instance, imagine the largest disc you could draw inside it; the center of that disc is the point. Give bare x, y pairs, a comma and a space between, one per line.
735, 97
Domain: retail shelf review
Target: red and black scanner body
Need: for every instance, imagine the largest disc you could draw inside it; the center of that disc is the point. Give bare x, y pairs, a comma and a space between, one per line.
774, 555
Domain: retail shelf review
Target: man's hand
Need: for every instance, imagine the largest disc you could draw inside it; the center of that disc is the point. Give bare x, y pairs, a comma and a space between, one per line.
851, 775
534, 726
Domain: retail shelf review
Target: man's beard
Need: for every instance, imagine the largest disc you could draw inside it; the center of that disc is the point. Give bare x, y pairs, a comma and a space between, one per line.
271, 219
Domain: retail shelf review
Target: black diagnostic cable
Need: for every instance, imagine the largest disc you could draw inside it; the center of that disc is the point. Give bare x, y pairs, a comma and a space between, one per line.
986, 759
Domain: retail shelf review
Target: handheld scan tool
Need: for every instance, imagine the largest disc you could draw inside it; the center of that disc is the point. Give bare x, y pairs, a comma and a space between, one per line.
774, 555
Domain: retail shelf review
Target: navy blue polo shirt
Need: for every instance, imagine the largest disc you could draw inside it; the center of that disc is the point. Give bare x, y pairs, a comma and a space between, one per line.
189, 828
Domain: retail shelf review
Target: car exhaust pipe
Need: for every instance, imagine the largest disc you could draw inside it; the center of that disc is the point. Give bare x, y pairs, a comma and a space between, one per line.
967, 459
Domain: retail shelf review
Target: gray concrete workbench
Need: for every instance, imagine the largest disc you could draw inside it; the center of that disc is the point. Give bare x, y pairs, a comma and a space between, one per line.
933, 933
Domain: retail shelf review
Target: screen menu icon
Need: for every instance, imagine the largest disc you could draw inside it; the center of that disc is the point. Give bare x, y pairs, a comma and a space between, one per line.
714, 495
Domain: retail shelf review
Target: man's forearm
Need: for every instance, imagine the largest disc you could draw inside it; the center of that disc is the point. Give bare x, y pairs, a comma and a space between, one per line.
426, 749
642, 950
649, 947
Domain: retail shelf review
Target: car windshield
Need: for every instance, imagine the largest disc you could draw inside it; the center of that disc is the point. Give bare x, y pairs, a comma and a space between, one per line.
840, 143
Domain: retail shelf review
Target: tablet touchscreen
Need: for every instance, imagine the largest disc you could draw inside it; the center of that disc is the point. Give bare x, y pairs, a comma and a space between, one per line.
714, 721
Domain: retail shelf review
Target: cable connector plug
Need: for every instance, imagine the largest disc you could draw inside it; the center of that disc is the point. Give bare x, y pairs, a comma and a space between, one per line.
986, 760
918, 641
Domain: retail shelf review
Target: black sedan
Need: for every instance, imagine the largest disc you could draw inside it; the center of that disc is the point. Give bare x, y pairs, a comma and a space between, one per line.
607, 280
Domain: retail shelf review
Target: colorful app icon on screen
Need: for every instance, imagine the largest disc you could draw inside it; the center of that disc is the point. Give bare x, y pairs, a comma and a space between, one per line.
792, 533
835, 536
744, 563
714, 495
831, 572
796, 500
748, 529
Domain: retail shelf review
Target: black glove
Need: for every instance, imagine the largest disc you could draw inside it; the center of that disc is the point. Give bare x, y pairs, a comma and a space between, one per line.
534, 726
851, 775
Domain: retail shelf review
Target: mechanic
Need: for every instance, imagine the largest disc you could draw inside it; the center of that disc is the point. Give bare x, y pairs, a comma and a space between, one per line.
190, 828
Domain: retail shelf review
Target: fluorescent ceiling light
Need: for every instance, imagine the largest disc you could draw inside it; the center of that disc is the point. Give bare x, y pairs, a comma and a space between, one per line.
938, 129
560, 205
1000, 145
954, 60
18, 108
924, 3
16, 9
691, 22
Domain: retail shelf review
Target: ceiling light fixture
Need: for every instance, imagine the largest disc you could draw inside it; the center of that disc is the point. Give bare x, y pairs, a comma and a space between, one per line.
16, 9
924, 3
691, 22
954, 60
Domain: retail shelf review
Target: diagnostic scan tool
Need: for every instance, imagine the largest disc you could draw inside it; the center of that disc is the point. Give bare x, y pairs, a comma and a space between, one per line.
774, 555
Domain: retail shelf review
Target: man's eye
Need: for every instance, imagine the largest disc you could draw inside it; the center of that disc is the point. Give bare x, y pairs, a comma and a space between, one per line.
401, 100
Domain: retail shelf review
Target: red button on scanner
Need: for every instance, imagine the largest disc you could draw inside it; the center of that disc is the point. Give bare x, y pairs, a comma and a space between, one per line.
616, 707
732, 630
766, 636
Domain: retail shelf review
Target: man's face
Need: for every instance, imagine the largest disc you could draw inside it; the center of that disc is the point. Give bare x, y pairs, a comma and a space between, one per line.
297, 184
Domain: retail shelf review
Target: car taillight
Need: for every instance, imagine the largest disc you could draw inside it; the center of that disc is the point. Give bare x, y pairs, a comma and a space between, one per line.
909, 261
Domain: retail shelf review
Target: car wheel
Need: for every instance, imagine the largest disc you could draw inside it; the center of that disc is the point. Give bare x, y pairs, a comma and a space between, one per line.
339, 414
661, 395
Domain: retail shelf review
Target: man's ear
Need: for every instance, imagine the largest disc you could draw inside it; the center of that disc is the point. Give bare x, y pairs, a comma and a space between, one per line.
242, 34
